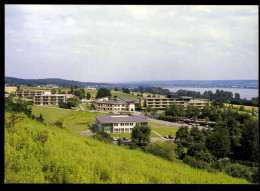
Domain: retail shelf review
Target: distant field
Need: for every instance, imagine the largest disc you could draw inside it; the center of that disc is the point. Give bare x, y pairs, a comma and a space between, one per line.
10, 89
245, 106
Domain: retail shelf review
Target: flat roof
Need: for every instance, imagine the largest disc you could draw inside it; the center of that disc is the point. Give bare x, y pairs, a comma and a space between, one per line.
119, 118
34, 91
181, 97
50, 95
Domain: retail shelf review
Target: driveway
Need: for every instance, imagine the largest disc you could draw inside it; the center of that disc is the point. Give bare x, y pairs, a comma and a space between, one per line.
169, 124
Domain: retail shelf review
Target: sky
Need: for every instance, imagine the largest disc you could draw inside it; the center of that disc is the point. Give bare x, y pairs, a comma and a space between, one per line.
118, 43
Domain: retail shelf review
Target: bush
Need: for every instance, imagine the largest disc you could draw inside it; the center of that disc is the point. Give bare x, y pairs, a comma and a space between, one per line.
203, 165
221, 163
59, 124
238, 171
65, 105
164, 150
180, 151
204, 156
190, 161
103, 136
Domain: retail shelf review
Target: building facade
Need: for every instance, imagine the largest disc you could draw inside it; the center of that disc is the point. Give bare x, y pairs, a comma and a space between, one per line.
162, 103
119, 123
114, 104
50, 99
31, 93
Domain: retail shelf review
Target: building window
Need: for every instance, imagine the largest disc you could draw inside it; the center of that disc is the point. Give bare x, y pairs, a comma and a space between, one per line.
122, 124
115, 124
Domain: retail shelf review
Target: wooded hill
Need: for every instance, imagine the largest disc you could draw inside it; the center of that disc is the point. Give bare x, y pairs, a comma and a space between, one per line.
11, 81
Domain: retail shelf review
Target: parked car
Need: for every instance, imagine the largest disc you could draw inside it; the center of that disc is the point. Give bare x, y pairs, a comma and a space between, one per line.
189, 123
125, 138
170, 137
115, 138
166, 137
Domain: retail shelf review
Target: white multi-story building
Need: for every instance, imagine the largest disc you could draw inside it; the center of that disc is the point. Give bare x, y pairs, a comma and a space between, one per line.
114, 104
31, 93
51, 99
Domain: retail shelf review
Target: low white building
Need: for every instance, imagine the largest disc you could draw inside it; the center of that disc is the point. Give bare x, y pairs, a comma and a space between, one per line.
119, 123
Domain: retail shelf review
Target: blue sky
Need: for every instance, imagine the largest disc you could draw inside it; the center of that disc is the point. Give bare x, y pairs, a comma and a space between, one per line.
114, 43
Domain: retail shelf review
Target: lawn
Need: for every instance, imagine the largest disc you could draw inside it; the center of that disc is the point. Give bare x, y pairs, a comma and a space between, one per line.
121, 94
153, 124
93, 94
166, 130
71, 120
128, 135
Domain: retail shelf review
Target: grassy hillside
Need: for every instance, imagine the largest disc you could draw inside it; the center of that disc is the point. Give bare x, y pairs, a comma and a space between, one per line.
38, 153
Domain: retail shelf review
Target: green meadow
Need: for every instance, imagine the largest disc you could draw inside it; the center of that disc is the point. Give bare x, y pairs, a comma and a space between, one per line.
44, 153
166, 130
71, 120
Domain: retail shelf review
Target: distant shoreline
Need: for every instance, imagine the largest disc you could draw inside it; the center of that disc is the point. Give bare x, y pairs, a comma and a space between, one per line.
208, 87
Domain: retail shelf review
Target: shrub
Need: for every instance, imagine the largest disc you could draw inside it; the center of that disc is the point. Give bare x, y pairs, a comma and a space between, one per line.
203, 165
103, 136
190, 161
180, 151
59, 124
221, 163
119, 142
204, 156
164, 150
196, 147
238, 171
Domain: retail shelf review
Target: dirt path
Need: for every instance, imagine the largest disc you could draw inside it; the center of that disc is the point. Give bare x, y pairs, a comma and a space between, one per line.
81, 108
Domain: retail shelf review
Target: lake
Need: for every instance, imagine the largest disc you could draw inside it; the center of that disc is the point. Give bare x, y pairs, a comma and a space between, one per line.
244, 93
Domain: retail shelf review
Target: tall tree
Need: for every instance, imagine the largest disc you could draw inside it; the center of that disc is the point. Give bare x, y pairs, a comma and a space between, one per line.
71, 89
182, 134
140, 135
250, 140
218, 144
103, 92
88, 96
